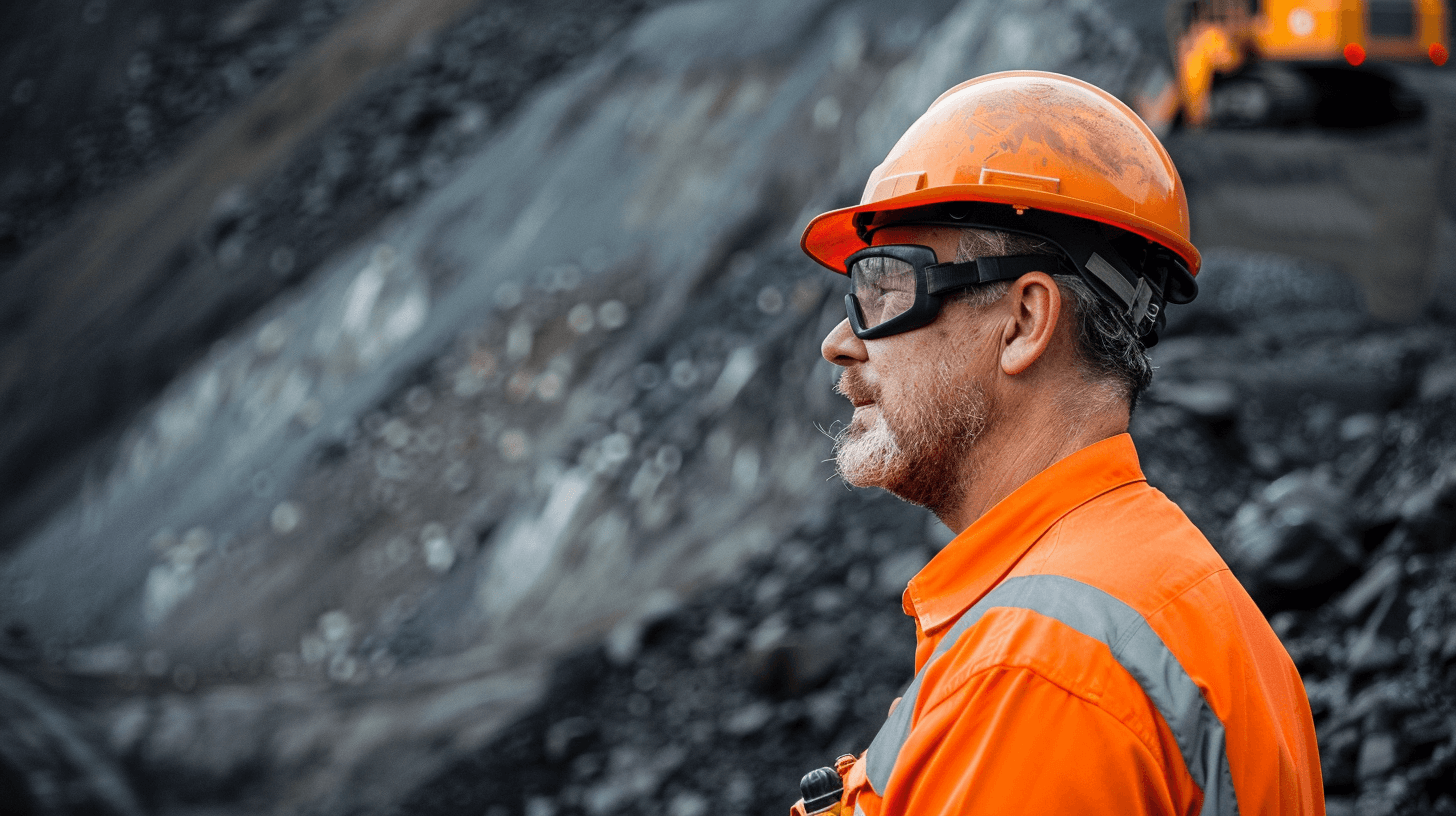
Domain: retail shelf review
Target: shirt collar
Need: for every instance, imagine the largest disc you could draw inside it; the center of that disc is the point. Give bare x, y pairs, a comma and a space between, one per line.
977, 559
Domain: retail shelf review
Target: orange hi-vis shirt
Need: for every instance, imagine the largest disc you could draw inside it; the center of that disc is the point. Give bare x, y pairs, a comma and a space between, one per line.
1083, 649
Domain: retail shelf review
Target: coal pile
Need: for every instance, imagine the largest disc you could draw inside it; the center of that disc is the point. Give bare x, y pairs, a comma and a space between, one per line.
568, 388
98, 92
174, 80
1311, 444
500, 488
85, 127
722, 704
1334, 435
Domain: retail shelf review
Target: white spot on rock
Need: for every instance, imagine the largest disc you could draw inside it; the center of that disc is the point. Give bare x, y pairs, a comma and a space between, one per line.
286, 517
612, 315
439, 552
580, 318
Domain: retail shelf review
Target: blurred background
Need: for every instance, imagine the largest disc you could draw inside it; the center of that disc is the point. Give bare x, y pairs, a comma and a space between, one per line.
414, 406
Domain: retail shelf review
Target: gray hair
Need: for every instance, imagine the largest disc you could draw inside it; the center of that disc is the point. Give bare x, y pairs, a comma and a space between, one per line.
1108, 351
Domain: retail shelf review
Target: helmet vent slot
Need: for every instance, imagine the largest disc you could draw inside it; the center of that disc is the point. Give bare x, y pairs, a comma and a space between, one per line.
898, 185
1026, 181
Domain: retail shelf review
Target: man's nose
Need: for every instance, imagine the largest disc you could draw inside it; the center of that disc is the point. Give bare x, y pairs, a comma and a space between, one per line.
841, 347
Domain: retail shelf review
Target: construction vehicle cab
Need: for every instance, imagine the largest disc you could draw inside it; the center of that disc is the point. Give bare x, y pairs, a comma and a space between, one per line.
1273, 53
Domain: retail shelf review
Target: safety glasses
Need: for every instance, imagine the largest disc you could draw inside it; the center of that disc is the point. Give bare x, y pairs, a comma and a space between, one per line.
899, 287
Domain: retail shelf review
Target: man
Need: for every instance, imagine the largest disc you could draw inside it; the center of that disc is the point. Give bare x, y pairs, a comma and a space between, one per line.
1082, 648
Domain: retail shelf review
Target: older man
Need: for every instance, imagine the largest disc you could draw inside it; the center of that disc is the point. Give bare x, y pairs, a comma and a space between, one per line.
1082, 648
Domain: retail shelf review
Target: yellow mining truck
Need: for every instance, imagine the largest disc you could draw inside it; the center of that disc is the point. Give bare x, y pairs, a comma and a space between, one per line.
1262, 61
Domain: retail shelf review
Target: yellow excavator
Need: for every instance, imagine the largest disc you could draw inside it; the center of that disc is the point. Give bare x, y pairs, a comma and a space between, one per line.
1246, 62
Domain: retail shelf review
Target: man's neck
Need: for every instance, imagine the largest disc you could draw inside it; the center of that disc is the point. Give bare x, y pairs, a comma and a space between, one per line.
1010, 452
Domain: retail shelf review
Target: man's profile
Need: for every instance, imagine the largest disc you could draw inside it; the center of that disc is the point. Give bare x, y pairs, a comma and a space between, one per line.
1081, 646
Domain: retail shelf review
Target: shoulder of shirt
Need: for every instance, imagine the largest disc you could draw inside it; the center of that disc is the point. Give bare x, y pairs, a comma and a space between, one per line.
1131, 542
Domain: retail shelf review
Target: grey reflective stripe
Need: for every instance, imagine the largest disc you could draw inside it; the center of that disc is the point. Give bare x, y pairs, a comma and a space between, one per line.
1094, 613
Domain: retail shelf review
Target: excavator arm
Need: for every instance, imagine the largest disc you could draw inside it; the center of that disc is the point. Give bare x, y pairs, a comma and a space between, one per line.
1205, 50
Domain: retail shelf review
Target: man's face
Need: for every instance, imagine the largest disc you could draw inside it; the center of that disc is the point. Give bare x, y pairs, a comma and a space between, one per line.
920, 397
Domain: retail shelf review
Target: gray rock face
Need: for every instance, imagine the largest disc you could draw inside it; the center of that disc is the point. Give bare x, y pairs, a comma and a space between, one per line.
518, 505
577, 378
264, 140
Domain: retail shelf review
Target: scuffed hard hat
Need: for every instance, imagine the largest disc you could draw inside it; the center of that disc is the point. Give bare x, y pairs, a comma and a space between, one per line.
1040, 154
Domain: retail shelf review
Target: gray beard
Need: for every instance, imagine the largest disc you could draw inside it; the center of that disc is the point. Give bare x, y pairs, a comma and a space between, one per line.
922, 454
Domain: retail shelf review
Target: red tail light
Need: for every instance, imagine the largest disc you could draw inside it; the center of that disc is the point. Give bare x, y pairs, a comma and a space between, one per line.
1354, 54
1438, 53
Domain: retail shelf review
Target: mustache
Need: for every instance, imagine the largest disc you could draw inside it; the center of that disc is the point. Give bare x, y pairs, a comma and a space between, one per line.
852, 387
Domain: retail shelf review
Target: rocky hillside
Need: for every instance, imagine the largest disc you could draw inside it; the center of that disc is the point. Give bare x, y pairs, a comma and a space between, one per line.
1310, 443
467, 457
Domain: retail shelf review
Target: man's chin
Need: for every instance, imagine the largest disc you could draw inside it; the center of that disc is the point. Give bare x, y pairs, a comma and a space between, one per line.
863, 460
857, 477
873, 459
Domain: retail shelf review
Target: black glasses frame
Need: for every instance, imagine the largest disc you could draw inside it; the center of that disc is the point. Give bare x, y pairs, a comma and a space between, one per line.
921, 312
932, 281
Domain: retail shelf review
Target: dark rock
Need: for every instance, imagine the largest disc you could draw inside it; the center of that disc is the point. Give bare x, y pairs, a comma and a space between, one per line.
1376, 803
1210, 399
724, 631
1295, 535
825, 709
749, 719
1448, 643
895, 571
1379, 754
566, 738
624, 642
1430, 512
1439, 381
1426, 728
1372, 652
1339, 750
1270, 292
1382, 575
784, 664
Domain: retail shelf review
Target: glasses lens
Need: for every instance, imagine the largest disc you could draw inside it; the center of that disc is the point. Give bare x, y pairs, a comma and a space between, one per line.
884, 287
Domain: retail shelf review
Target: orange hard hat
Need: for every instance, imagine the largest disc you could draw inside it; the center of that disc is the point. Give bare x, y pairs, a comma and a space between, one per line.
1042, 154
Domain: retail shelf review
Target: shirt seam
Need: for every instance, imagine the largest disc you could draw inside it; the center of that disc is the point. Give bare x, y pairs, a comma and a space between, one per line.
1054, 534
1079, 505
1152, 750
1184, 591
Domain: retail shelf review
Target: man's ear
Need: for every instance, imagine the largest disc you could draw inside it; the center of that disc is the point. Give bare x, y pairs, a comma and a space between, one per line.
1035, 302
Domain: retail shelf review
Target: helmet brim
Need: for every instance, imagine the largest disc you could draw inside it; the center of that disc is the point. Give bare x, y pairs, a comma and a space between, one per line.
832, 237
